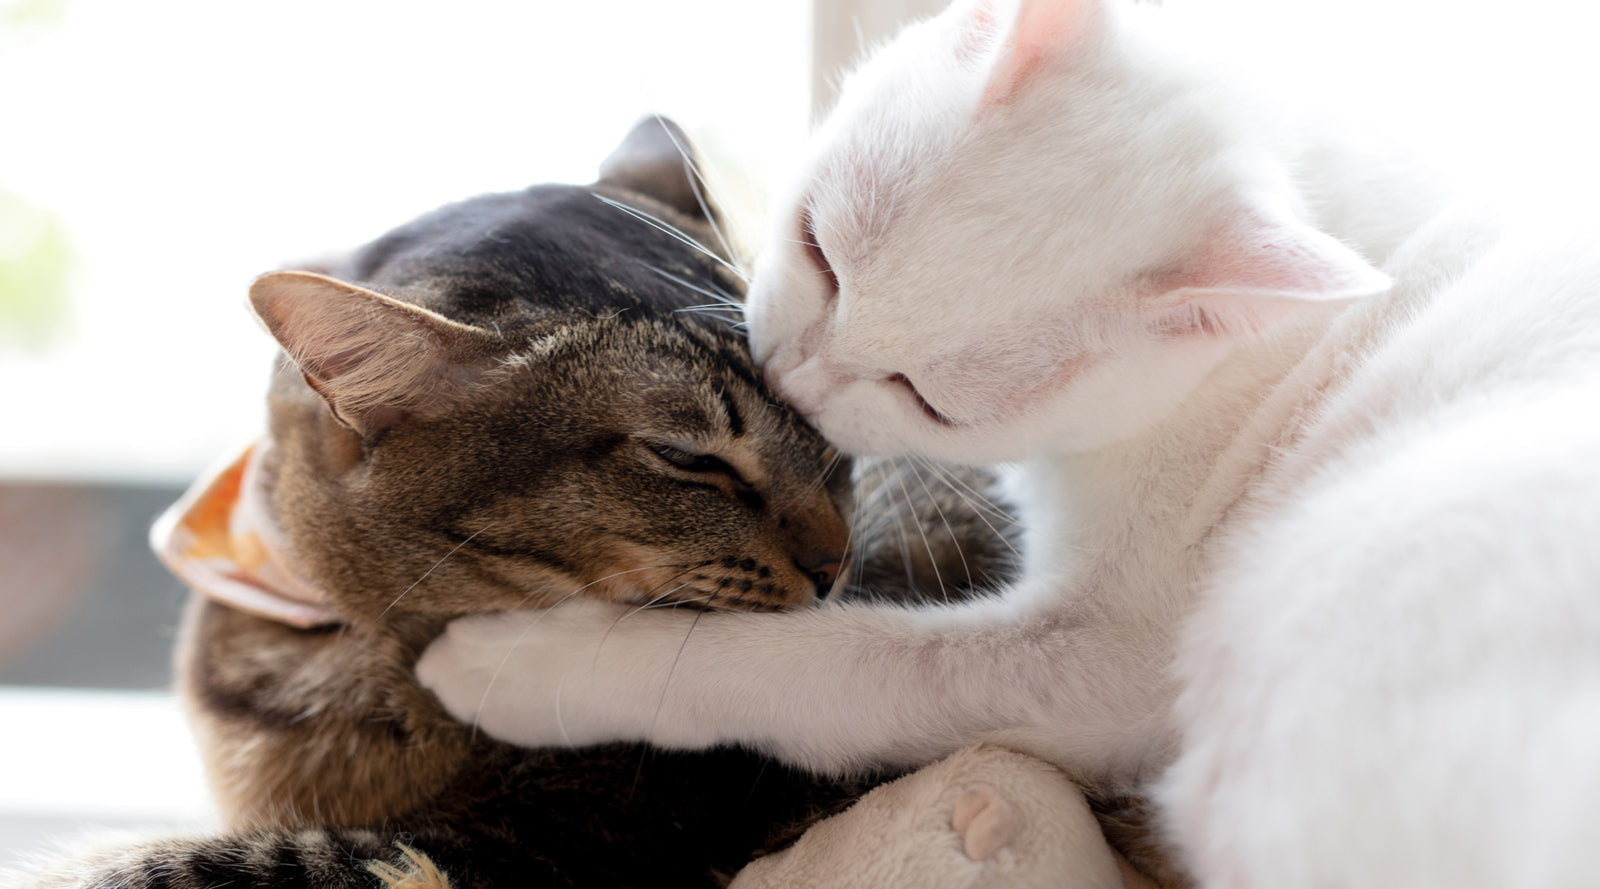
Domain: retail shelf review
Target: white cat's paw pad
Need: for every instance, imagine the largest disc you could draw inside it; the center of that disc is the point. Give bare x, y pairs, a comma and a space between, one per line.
984, 821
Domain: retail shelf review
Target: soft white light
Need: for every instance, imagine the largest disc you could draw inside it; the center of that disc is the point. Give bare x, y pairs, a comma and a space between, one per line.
189, 146
97, 755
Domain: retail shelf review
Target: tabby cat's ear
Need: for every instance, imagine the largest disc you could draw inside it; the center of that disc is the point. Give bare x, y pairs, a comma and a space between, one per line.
374, 359
656, 159
1257, 266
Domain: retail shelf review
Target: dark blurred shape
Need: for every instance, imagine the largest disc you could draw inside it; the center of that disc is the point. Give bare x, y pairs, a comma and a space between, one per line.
83, 602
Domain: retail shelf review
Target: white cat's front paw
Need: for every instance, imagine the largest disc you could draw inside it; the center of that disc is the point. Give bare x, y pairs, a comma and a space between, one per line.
581, 673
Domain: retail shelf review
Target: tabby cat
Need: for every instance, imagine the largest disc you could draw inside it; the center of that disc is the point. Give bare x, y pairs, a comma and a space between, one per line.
526, 397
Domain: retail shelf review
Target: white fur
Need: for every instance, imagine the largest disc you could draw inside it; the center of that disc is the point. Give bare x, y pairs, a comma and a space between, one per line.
985, 818
1327, 560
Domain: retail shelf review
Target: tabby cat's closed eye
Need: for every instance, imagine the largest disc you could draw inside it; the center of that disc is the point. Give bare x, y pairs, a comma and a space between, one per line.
688, 460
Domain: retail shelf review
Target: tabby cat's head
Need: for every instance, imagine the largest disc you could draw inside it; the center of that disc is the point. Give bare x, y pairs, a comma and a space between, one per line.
523, 397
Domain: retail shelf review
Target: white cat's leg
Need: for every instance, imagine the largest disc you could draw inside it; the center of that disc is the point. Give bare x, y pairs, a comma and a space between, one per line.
831, 688
1402, 687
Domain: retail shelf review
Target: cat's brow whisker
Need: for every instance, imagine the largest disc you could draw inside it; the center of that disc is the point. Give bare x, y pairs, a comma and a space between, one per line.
425, 574
674, 232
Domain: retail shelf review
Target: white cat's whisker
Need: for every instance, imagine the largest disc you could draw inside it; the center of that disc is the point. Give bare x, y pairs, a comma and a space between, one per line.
822, 477
955, 540
977, 500
933, 560
955, 485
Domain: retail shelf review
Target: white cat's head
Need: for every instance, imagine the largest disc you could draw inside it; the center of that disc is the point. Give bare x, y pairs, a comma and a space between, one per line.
1029, 227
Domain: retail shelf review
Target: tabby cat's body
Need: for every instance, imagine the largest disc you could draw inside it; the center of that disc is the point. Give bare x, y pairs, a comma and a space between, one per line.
517, 402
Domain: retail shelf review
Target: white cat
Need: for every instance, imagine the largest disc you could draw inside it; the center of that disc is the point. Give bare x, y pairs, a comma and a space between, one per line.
1310, 462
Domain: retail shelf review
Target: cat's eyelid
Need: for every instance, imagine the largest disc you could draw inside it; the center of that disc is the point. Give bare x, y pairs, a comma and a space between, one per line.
692, 458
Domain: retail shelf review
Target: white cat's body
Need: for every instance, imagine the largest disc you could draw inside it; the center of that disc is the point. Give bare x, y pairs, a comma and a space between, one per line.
1310, 464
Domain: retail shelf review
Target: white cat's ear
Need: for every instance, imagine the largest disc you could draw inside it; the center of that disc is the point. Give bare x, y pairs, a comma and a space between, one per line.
1256, 269
1043, 31
373, 358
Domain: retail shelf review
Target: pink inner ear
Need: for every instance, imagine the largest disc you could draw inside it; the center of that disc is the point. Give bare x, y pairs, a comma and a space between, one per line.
1255, 269
977, 35
1044, 29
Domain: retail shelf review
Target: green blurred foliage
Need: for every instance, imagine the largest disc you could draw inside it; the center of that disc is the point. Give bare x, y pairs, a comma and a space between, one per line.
30, 13
35, 260
35, 257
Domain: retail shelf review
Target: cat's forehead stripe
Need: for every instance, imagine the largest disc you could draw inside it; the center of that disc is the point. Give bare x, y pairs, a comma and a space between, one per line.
731, 411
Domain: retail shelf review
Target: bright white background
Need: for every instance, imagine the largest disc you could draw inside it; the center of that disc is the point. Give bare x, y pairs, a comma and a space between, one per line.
189, 145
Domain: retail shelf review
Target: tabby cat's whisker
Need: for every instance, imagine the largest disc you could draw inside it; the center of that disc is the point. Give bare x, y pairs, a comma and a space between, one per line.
540, 615
500, 667
701, 188
719, 296
674, 668
709, 597
655, 601
674, 232
593, 582
431, 570
607, 634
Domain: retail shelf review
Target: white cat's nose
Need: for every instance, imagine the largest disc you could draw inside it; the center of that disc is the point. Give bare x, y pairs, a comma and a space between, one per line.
804, 384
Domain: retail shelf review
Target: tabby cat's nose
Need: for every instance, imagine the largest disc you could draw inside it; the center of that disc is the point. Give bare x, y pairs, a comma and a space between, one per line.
823, 571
